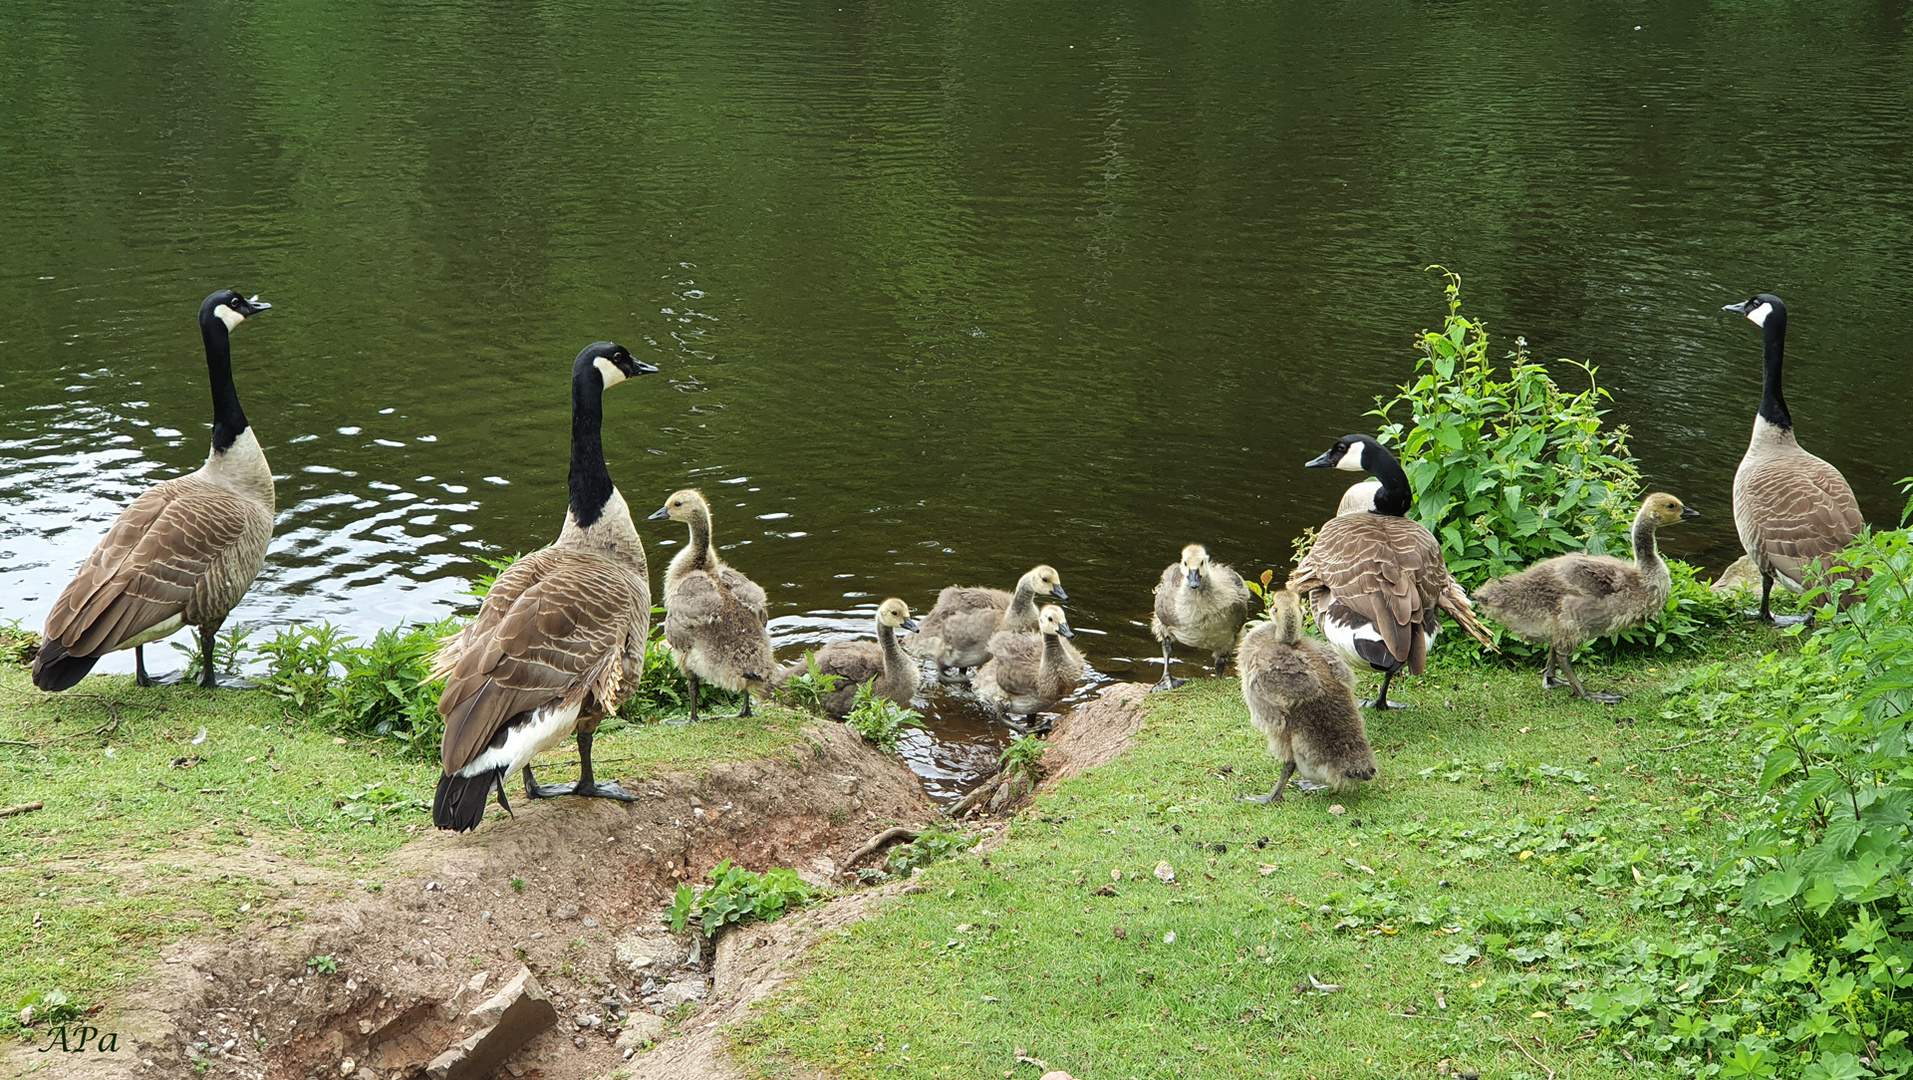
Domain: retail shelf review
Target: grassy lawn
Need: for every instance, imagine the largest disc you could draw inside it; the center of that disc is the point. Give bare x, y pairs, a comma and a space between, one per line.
173, 810
1515, 848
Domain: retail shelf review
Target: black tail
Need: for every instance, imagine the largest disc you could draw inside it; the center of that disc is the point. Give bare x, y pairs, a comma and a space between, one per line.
55, 669
460, 803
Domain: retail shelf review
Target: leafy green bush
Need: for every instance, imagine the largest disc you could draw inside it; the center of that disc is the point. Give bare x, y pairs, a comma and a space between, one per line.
1024, 755
736, 895
879, 720
227, 648
17, 643
299, 663
386, 689
807, 689
1507, 470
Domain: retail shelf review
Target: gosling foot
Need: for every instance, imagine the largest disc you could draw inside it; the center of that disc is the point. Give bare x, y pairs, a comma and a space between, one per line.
1168, 682
1553, 682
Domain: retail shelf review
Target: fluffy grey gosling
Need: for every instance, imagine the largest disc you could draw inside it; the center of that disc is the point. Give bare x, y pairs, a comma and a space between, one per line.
1200, 604
1301, 695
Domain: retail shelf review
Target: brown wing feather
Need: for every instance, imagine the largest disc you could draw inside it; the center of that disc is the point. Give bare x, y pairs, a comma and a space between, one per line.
554, 626
147, 567
1799, 509
746, 592
1390, 571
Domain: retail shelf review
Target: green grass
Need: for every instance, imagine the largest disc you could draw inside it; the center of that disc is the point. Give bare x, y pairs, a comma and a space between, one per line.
128, 854
1528, 801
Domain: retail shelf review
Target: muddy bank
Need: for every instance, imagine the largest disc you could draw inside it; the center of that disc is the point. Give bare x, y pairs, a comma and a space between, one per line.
569, 890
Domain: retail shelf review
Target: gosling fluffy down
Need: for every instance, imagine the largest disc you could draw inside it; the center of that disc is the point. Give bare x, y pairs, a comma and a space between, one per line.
881, 663
1571, 599
714, 616
1301, 696
956, 633
1200, 604
1029, 672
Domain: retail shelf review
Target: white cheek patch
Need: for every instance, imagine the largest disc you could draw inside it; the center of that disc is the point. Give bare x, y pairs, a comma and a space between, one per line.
1352, 460
1759, 315
228, 316
608, 371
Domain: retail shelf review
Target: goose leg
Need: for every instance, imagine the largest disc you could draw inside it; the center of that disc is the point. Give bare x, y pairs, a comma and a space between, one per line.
746, 712
1168, 682
1548, 679
692, 719
587, 785
1381, 702
1221, 659
139, 666
1581, 692
209, 676
1282, 781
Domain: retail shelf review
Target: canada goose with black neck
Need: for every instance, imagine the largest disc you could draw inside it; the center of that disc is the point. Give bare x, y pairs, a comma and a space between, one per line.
185, 552
1790, 507
1570, 599
714, 617
881, 663
559, 640
1377, 579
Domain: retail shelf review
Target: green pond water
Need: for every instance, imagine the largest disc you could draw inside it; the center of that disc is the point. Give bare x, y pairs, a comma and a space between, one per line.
938, 292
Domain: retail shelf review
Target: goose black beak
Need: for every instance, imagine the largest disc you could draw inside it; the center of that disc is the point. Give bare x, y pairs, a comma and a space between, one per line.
254, 306
659, 514
1689, 512
1326, 461
1195, 580
1741, 308
910, 625
639, 367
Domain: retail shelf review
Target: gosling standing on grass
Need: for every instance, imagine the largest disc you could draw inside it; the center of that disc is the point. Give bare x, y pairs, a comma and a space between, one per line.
714, 616
1201, 604
1301, 695
1571, 599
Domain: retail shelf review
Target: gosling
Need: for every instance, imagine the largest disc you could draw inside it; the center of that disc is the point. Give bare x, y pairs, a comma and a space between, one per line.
881, 663
1571, 599
1301, 695
1200, 604
956, 634
714, 616
1030, 672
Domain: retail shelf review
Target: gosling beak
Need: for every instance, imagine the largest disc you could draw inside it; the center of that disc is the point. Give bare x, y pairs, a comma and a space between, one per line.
1689, 512
911, 625
1195, 579
659, 514
1065, 630
1056, 590
1326, 461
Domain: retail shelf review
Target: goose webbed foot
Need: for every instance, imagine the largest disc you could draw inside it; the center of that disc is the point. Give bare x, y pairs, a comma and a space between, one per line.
217, 682
604, 789
1382, 704
1029, 725
1267, 799
1782, 622
1602, 697
536, 790
1168, 682
1552, 682
1275, 795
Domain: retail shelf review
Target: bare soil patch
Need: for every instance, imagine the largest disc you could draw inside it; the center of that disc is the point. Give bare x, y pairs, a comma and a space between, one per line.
571, 889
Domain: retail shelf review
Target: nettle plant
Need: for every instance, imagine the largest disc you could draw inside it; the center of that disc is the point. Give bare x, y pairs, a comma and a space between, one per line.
1507, 469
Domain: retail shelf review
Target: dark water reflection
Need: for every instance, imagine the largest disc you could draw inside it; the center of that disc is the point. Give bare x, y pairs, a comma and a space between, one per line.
938, 293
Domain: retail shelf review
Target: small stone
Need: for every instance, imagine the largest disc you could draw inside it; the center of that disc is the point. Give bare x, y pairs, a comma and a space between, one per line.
365, 1027
365, 1073
1057, 1074
346, 1067
1338, 809
639, 1029
590, 923
433, 886
578, 1041
588, 1021
565, 912
1165, 873
484, 916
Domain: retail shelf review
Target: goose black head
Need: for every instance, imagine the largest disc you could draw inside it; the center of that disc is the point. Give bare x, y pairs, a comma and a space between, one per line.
229, 308
1759, 309
1353, 453
612, 361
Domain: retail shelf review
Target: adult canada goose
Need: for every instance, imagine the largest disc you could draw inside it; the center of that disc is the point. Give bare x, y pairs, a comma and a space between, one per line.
1569, 599
881, 662
956, 633
1201, 604
559, 639
1028, 672
1377, 579
185, 551
1790, 507
1301, 696
714, 617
